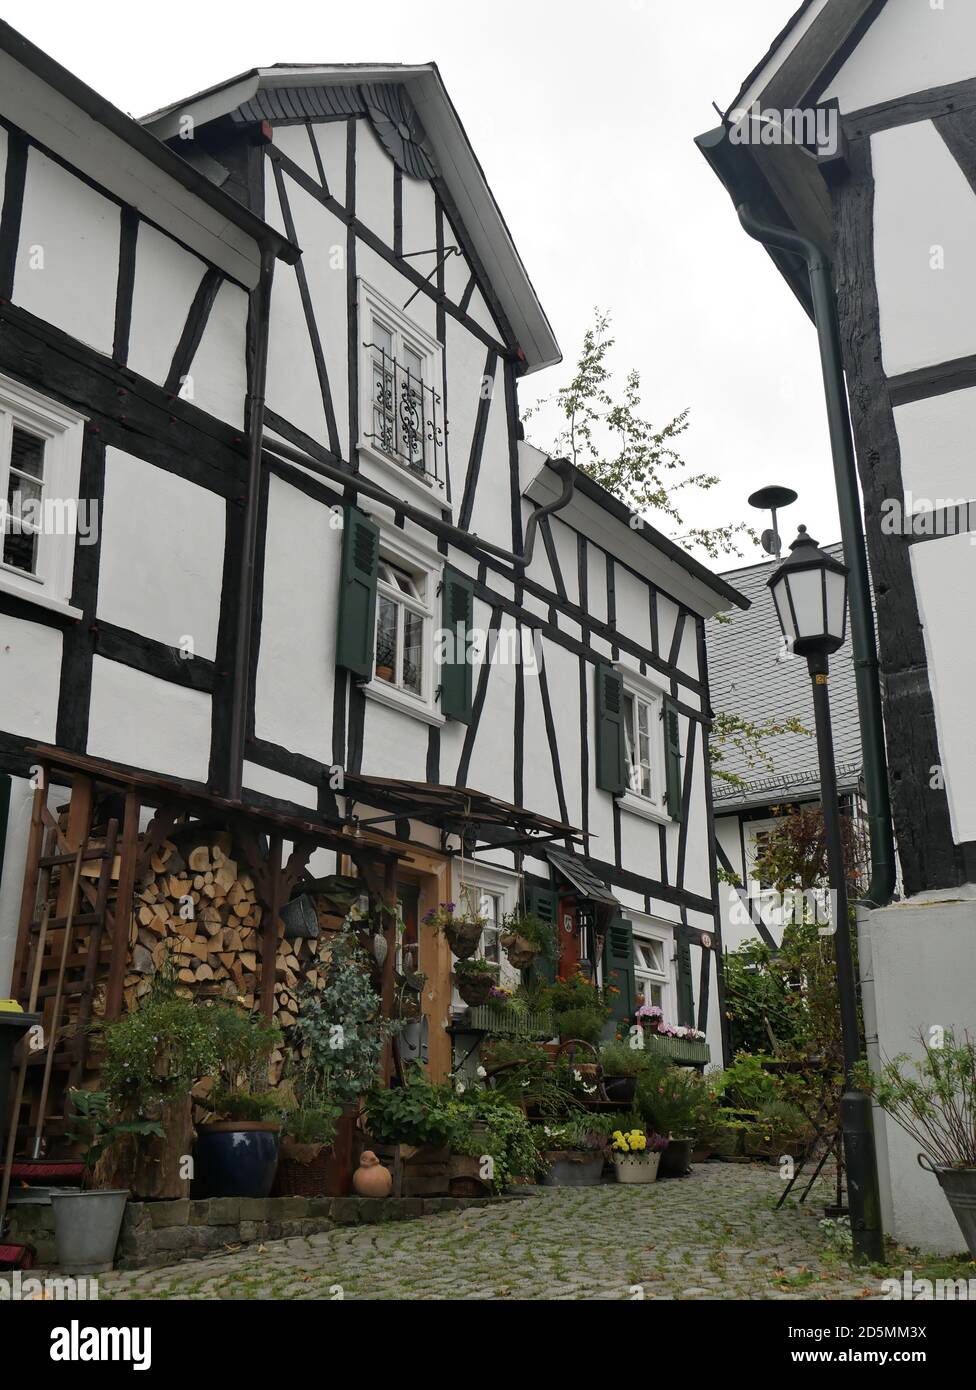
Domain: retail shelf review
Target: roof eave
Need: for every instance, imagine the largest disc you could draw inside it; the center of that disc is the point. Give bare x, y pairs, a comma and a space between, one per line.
47, 70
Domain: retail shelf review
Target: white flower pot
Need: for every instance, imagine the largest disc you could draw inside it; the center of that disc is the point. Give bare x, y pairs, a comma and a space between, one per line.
639, 1167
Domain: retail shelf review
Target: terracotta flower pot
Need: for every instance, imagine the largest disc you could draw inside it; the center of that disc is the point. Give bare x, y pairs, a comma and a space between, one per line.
371, 1179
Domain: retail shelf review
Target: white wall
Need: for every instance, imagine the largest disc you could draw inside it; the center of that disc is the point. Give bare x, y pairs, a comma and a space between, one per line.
147, 722
942, 568
924, 209
912, 45
918, 964
166, 279
30, 677
935, 442
162, 554
68, 255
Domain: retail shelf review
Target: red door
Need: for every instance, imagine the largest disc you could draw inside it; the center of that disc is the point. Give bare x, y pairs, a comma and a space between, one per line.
569, 941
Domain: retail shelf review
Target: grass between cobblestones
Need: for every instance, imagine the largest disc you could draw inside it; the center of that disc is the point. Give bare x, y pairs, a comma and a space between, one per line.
712, 1235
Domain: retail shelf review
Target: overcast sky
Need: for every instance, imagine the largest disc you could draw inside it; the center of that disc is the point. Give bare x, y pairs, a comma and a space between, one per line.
583, 116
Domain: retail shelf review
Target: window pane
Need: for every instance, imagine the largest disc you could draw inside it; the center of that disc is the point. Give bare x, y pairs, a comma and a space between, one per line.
413, 652
386, 639
641, 716
414, 363
27, 453
382, 339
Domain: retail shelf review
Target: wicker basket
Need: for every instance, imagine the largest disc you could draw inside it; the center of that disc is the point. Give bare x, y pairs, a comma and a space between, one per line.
316, 1175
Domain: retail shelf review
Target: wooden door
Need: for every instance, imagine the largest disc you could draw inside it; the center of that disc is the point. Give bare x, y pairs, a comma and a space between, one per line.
569, 939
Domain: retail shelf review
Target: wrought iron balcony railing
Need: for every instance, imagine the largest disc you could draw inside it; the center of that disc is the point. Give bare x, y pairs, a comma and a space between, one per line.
407, 421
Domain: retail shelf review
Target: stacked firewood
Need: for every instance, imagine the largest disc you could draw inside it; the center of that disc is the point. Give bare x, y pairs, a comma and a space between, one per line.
198, 906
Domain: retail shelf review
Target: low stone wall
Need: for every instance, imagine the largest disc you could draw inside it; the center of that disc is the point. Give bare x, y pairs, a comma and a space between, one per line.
163, 1233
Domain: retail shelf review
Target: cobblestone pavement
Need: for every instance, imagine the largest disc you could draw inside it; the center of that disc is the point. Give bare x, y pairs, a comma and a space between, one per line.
713, 1235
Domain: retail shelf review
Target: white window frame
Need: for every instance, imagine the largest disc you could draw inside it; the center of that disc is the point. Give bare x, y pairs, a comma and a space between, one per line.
62, 430
653, 807
752, 829
427, 565
503, 884
654, 929
373, 307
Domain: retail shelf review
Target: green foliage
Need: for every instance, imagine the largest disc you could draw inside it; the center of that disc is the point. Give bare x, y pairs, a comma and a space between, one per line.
747, 1085
532, 929
793, 853
160, 1051
535, 1082
312, 1124
673, 1101
340, 1025
730, 733
418, 1113
781, 1123
245, 1105
757, 993
475, 966
585, 1024
608, 437
94, 1128
620, 1059
575, 993
245, 1042
933, 1098
487, 1125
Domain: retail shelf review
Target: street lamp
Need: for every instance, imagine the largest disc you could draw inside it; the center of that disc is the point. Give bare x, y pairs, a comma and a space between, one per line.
810, 593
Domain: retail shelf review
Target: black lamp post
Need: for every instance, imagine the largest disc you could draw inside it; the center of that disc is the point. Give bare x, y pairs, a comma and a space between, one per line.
810, 592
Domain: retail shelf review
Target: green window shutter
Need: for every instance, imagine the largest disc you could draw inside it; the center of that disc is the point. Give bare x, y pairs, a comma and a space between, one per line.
686, 991
457, 615
619, 969
610, 756
545, 904
672, 756
356, 632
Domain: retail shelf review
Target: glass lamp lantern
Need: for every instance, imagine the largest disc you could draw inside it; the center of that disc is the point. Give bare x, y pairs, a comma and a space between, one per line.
810, 593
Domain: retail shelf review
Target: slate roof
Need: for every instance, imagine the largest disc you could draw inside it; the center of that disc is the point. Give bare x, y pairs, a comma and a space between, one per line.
749, 676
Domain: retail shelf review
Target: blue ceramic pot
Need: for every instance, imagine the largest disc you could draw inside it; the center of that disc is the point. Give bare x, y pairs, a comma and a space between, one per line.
235, 1158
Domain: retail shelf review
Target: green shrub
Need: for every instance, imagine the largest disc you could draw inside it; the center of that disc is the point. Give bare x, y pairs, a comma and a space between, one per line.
245, 1105
418, 1113
620, 1059
312, 1124
585, 1024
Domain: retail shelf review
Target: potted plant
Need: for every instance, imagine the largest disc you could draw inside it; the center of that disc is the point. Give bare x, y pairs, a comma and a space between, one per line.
572, 1153
475, 980
669, 1100
237, 1149
525, 937
87, 1221
937, 1107
411, 1128
341, 1035
622, 1063
584, 1025
636, 1155
462, 928
307, 1162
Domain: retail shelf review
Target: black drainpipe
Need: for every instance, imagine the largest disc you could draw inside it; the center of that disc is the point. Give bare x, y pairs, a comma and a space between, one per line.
866, 669
245, 594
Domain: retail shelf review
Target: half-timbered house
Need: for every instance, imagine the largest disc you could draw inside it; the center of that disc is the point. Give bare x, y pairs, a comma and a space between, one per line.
855, 134
274, 342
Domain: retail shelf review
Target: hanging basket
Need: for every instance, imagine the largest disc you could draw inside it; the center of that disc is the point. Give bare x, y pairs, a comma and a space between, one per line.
475, 989
520, 952
463, 937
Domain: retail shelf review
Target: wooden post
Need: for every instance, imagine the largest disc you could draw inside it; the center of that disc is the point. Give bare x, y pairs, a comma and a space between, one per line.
389, 901
269, 936
123, 905
28, 902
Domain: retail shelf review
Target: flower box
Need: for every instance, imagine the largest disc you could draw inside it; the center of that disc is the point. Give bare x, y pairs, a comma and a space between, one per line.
509, 1022
687, 1051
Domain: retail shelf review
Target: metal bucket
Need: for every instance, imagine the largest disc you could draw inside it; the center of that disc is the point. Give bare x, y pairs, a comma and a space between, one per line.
959, 1186
86, 1228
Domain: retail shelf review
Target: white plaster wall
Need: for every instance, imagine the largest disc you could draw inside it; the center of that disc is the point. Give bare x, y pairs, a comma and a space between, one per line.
465, 371
77, 230
640, 844
166, 279
270, 783
419, 221
935, 441
146, 722
911, 46
918, 963
330, 136
374, 192
380, 275
296, 661
633, 607
163, 578
294, 141
562, 669
394, 744
540, 780
219, 366
30, 675
492, 767
566, 546
941, 568
923, 203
